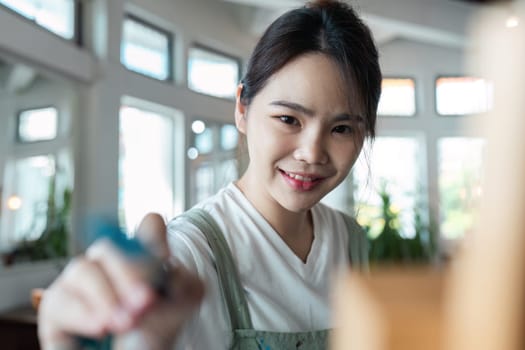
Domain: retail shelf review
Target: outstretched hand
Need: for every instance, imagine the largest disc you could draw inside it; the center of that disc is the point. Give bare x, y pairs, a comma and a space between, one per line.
104, 292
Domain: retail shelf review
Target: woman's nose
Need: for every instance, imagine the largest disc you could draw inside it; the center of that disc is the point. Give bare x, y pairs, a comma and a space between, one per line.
311, 149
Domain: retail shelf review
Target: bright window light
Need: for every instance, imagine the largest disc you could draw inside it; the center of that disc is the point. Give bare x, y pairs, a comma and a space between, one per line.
29, 188
398, 98
38, 124
192, 153
198, 126
393, 166
212, 73
204, 181
57, 16
463, 95
145, 183
14, 203
146, 50
229, 137
204, 141
460, 189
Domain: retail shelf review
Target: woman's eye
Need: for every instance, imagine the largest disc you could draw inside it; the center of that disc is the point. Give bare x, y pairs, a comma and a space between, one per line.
343, 129
288, 120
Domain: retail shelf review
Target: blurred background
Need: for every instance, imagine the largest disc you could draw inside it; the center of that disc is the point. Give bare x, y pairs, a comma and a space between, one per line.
126, 106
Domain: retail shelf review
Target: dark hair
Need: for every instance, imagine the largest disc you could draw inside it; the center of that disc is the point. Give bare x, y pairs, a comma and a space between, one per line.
325, 26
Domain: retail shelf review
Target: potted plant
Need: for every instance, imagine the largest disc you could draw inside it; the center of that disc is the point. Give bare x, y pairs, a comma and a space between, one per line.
391, 246
53, 242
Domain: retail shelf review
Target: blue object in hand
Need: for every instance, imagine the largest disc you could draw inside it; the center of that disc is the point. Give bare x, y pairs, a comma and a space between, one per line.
132, 248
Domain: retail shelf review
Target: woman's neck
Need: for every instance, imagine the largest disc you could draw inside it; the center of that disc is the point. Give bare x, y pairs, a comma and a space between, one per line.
295, 228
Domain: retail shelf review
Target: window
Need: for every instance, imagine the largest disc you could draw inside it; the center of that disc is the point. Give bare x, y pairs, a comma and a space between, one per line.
212, 73
146, 49
204, 141
204, 181
398, 98
146, 166
229, 137
57, 16
27, 201
463, 95
37, 124
213, 158
32, 185
36, 163
460, 176
392, 169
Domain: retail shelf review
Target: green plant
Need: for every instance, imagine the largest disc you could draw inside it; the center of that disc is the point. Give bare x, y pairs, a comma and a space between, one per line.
53, 242
390, 246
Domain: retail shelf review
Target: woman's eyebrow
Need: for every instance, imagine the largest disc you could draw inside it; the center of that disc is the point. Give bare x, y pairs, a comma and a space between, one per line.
295, 106
348, 117
309, 112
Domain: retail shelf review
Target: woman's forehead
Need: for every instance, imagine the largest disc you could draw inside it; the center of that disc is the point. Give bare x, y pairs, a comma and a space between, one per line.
316, 82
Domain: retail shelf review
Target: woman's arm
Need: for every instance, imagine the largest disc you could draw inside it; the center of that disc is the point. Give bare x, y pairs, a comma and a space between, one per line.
104, 292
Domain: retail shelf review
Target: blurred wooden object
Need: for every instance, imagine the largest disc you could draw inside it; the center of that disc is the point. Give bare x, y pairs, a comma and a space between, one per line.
394, 309
480, 303
486, 308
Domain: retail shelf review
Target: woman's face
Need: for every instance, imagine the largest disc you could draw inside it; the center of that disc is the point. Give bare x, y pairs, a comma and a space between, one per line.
302, 135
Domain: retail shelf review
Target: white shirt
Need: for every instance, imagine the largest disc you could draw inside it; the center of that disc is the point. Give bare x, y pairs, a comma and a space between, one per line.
283, 293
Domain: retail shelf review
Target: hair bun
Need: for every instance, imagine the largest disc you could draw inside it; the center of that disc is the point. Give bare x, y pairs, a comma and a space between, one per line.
323, 4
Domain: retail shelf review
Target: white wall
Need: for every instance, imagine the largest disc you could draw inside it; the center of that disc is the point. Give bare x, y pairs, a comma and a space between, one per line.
101, 82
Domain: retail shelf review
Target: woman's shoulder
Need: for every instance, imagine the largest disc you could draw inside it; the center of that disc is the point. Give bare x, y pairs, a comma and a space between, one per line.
218, 202
334, 215
218, 207
339, 220
187, 233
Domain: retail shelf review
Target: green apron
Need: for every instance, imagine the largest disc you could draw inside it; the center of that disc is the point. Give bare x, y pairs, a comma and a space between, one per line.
244, 336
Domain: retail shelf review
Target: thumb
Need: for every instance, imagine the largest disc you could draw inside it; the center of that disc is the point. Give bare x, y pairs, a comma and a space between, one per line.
152, 232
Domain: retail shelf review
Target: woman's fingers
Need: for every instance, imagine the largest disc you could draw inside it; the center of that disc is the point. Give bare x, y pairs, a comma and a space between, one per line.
152, 232
68, 304
129, 278
158, 328
100, 297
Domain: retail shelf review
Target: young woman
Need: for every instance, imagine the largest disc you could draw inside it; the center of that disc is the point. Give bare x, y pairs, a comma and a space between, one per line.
263, 249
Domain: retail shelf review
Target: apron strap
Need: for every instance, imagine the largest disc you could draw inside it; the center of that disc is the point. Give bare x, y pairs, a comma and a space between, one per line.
357, 244
229, 281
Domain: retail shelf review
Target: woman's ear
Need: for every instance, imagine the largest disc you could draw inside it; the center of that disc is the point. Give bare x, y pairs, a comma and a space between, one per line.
240, 111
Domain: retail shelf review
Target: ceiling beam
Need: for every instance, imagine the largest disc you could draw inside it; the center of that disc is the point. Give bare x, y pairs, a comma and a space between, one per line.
437, 22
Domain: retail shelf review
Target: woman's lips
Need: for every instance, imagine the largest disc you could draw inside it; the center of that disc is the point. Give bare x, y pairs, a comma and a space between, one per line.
300, 181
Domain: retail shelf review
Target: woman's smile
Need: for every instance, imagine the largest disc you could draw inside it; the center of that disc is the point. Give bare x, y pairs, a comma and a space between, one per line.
301, 181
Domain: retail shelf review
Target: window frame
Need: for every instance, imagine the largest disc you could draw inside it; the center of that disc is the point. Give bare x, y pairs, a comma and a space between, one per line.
19, 112
416, 104
78, 12
78, 30
212, 50
215, 157
171, 42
